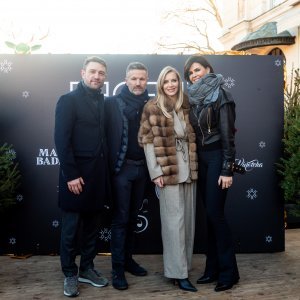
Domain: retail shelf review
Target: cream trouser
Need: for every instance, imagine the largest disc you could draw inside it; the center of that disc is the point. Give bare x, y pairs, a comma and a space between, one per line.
177, 213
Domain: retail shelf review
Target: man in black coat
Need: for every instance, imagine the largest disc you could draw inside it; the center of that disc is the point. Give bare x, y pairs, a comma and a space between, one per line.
128, 169
83, 178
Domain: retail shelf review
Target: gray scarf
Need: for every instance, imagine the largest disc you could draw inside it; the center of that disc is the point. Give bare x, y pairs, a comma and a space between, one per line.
205, 90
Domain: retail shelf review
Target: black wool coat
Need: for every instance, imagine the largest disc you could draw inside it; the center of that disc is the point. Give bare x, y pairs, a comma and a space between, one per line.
82, 151
116, 132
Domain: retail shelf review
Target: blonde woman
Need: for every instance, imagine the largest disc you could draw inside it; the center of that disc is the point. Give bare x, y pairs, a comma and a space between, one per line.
169, 144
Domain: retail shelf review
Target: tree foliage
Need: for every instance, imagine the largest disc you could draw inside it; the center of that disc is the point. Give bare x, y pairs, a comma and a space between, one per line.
9, 177
289, 166
27, 47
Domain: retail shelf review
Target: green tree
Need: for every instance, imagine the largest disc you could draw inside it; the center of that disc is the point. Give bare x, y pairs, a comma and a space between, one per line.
289, 166
9, 177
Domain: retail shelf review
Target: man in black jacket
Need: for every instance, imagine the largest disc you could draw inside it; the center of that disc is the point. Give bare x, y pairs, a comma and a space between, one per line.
81, 147
128, 169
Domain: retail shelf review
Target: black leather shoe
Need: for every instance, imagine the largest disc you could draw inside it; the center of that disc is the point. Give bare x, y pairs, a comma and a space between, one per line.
135, 269
185, 285
119, 281
224, 286
206, 279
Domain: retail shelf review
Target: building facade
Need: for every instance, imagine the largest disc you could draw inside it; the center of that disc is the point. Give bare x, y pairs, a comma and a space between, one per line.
263, 27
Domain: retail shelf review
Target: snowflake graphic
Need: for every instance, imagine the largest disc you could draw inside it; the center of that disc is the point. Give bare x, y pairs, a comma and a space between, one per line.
25, 94
105, 234
229, 82
55, 223
12, 241
251, 193
19, 198
5, 66
268, 239
262, 144
11, 153
277, 62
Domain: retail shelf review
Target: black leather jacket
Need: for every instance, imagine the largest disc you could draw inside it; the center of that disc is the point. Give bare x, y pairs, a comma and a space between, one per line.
214, 123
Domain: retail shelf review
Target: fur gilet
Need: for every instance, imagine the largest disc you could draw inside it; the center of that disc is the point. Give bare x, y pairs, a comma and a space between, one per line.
158, 130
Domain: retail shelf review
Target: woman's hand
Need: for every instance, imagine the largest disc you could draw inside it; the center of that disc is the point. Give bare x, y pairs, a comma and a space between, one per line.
159, 181
225, 181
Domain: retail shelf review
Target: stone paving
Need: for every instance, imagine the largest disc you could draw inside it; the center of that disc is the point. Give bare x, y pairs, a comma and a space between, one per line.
264, 276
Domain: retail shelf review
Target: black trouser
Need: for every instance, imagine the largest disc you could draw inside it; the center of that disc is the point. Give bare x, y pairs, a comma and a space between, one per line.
128, 190
71, 223
220, 260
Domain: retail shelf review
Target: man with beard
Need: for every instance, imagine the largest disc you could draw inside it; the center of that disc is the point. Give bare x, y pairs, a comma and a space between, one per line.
83, 178
128, 170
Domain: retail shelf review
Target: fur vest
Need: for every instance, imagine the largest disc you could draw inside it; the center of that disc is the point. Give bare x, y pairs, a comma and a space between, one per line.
158, 130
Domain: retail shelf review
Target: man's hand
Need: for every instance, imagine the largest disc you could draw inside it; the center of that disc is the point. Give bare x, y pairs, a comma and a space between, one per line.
75, 186
225, 181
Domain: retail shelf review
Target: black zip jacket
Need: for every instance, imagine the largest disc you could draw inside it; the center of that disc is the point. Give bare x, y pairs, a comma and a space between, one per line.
215, 123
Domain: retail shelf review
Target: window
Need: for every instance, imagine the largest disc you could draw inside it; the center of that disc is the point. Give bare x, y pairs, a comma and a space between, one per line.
241, 10
278, 51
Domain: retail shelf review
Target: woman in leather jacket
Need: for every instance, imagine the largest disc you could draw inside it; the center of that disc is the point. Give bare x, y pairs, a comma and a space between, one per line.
212, 115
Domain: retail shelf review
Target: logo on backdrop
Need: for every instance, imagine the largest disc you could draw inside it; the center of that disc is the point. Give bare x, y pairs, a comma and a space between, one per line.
142, 220
47, 157
249, 165
106, 90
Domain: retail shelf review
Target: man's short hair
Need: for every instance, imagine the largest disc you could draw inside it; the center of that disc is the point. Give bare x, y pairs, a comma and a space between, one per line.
136, 66
94, 59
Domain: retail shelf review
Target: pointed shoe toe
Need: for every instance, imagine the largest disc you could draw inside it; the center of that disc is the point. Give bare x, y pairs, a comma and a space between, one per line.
185, 285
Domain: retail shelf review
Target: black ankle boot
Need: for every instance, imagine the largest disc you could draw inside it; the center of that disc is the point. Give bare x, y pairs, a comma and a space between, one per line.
185, 285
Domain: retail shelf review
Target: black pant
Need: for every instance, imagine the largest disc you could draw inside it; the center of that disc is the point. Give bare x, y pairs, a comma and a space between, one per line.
220, 260
128, 191
71, 225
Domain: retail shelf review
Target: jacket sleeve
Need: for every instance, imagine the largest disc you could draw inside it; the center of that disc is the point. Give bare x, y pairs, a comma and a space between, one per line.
64, 122
153, 167
227, 130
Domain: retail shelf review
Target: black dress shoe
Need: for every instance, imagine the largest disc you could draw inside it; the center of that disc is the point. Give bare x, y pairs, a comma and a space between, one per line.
206, 279
185, 285
119, 281
135, 269
224, 286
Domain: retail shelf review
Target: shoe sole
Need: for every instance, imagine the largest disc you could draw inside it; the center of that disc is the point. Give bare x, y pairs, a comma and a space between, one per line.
121, 288
84, 280
71, 295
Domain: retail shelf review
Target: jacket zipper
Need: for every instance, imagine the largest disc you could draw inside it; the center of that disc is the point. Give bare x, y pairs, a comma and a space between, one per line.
208, 121
199, 124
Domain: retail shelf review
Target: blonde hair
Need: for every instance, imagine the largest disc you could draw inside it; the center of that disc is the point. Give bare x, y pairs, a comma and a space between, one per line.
162, 98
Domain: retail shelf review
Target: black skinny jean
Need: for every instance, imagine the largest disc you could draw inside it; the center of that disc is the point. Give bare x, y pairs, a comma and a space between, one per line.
220, 256
128, 189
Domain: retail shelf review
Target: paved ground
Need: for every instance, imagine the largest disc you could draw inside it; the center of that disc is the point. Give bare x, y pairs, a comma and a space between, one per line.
263, 276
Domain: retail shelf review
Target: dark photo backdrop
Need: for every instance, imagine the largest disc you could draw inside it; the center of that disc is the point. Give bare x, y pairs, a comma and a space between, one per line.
29, 89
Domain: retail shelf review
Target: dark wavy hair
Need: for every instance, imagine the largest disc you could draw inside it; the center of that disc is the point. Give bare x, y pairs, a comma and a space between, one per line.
195, 59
